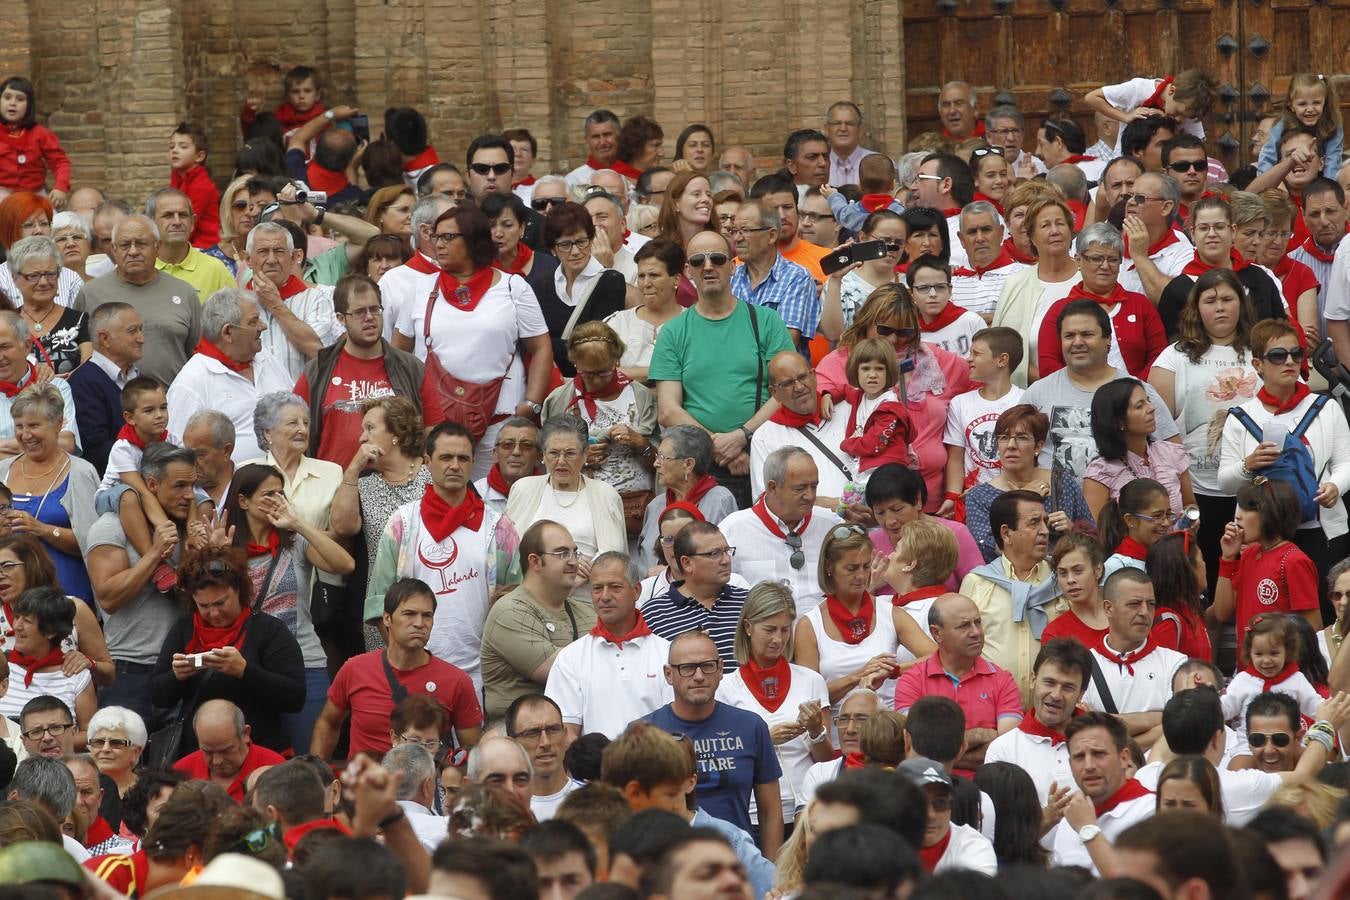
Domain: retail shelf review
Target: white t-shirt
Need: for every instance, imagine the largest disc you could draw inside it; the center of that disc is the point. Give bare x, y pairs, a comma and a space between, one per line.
314, 307
838, 658
404, 287
1044, 761
955, 338
1245, 791
64, 688
639, 337
545, 806
1068, 850
763, 556
970, 426
771, 436
968, 849
603, 688
126, 457
1170, 260
1051, 293
205, 383
1203, 393
570, 510
1127, 96
1244, 688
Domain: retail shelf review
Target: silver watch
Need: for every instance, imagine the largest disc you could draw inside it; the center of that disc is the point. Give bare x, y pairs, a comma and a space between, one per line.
537, 407
1089, 832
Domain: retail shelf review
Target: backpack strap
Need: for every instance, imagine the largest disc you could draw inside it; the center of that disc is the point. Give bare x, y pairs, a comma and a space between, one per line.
1240, 414
1308, 417
1103, 691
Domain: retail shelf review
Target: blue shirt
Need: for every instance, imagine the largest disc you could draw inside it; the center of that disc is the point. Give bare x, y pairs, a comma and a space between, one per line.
734, 753
758, 869
788, 288
672, 614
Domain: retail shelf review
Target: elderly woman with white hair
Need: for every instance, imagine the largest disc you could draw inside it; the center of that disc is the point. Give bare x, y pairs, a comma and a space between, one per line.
74, 238
67, 282
60, 335
281, 426
116, 739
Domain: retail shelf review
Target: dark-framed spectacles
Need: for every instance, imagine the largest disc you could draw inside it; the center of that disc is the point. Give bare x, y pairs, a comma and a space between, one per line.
794, 543
539, 204
56, 729
532, 735
1279, 355
1279, 739
444, 237
706, 666
905, 334
494, 168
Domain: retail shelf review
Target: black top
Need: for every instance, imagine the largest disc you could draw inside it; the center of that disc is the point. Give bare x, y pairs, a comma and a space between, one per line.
61, 340
273, 682
605, 299
1267, 300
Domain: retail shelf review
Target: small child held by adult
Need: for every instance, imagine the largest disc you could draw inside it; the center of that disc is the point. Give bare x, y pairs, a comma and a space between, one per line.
879, 426
187, 159
1309, 106
1270, 653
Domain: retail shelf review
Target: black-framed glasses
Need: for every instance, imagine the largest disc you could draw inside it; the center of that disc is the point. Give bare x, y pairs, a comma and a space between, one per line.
35, 277
980, 152
1189, 165
56, 729
1279, 739
532, 735
794, 542
1100, 262
569, 246
539, 204
494, 168
1279, 356
444, 237
365, 312
256, 842
699, 260
932, 290
733, 232
706, 666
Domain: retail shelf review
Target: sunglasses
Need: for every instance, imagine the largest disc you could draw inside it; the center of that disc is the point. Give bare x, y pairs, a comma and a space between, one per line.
980, 152
798, 557
539, 204
905, 334
1279, 356
1279, 739
698, 260
256, 841
494, 168
1189, 165
841, 532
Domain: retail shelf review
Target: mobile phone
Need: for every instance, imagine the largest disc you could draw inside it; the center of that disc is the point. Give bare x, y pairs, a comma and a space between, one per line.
853, 253
360, 125
197, 660
1274, 433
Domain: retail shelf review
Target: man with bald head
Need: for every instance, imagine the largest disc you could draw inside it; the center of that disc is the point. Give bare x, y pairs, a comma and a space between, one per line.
501, 762
987, 694
708, 364
739, 162
957, 109
83, 201
225, 751
168, 306
1157, 252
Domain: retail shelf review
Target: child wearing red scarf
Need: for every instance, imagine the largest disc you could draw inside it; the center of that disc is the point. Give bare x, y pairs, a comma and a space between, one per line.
879, 426
1269, 663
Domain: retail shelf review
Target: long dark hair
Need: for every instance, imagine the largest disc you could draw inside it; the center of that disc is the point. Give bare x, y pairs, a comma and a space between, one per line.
1110, 404
246, 482
1134, 496
1017, 831
1192, 339
1170, 570
1311, 662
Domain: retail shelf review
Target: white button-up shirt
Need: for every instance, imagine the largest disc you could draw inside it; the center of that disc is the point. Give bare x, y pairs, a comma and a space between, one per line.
115, 375
205, 383
1045, 761
314, 307
1068, 850
581, 284
1146, 689
771, 436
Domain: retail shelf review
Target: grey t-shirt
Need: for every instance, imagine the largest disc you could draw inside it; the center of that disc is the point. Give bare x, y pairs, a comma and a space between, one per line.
1070, 410
171, 312
135, 632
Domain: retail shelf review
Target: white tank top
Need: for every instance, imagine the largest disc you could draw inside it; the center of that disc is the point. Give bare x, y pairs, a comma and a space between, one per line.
838, 659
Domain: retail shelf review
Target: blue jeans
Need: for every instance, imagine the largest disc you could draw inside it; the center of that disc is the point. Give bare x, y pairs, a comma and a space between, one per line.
300, 725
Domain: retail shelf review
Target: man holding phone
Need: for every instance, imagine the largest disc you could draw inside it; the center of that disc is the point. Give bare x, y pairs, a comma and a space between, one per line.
332, 152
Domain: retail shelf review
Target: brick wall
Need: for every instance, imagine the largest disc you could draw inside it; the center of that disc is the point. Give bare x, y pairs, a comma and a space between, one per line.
114, 77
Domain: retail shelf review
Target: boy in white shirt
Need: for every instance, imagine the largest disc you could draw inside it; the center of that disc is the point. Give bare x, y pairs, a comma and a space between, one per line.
1187, 97
972, 457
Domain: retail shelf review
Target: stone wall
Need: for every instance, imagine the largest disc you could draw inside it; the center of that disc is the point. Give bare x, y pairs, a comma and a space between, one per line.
113, 81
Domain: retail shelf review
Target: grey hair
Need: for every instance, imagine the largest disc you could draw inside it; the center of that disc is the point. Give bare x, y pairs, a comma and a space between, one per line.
17, 323
691, 442
102, 316
1170, 189
863, 692
223, 308
1337, 571
270, 228
551, 179
133, 217
519, 422
765, 600
776, 466
630, 566
46, 781
572, 425
33, 247
119, 718
720, 181
43, 399
267, 413
1004, 112
606, 195
155, 463
427, 211
220, 425
1070, 179
907, 169
237, 714
768, 216
980, 208
415, 763
595, 118
67, 219
1099, 233
152, 202
473, 771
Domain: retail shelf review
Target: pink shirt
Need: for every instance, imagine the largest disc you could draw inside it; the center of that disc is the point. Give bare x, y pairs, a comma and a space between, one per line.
1166, 461
986, 693
968, 552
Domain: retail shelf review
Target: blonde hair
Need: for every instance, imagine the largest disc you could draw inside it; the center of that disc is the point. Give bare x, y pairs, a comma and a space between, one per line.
882, 738
226, 200
1329, 124
832, 549
932, 547
384, 198
1028, 192
641, 215
591, 339
1039, 206
1312, 799
42, 398
790, 863
765, 600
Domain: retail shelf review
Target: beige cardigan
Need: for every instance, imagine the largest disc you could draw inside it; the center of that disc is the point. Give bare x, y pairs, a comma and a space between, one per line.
522, 508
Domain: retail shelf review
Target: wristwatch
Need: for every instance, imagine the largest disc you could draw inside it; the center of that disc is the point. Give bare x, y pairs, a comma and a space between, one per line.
537, 407
1089, 833
328, 114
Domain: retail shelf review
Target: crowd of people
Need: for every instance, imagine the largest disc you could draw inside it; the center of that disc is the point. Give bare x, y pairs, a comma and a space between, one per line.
967, 522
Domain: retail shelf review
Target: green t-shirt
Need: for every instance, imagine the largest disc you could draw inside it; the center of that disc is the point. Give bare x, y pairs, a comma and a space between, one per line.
717, 363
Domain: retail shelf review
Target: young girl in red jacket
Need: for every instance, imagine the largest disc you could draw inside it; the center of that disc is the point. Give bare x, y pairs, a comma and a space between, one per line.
879, 427
27, 150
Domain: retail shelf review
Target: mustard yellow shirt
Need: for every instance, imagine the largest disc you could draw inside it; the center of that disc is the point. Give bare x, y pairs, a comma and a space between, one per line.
1008, 644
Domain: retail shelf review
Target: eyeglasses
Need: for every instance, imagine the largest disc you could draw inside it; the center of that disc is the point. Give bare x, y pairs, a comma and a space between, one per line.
110, 743
662, 458
1138, 199
932, 290
846, 721
716, 554
539, 204
564, 554
707, 667
257, 841
513, 446
919, 178
841, 532
432, 744
1003, 132
35, 277
568, 246
1279, 356
7, 567
130, 245
532, 735
239, 205
981, 152
556, 455
494, 168
905, 334
789, 383
735, 232
1100, 262
813, 216
1279, 739
794, 542
1189, 165
1157, 518
444, 237
699, 260
365, 312
1004, 440
55, 730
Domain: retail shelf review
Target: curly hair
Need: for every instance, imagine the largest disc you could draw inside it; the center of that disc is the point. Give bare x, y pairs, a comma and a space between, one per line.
401, 419
216, 567
634, 136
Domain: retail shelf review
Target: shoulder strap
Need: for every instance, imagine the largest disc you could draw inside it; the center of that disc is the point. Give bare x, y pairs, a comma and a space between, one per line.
426, 319
582, 303
266, 588
1103, 692
1240, 414
759, 363
838, 463
396, 690
1308, 417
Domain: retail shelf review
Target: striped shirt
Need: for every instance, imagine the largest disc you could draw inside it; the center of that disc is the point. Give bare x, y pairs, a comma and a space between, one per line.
1321, 263
979, 293
788, 288
672, 614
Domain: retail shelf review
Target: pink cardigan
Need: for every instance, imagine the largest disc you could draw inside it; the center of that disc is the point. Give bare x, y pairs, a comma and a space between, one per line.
968, 552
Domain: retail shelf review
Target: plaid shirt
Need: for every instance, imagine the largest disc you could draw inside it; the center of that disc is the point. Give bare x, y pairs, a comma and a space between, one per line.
789, 289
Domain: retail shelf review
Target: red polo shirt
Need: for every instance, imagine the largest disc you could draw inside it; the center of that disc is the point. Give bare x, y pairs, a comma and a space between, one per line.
362, 688
194, 766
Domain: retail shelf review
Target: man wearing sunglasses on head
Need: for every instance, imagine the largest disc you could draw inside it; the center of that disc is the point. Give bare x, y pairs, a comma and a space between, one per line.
1061, 141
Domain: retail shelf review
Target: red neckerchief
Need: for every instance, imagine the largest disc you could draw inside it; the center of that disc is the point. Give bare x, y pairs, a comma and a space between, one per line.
948, 314
497, 481
1126, 659
1003, 259
1117, 294
854, 627
1283, 406
1016, 255
978, 132
326, 180
1130, 790
128, 434
10, 388
787, 417
99, 831
441, 519
762, 510
1155, 100
211, 351
873, 202
524, 182
768, 686
54, 657
205, 637
1317, 252
687, 507
1169, 237
290, 117
419, 263
855, 760
523, 256
640, 629
951, 211
617, 382
980, 195
1079, 210
700, 488
1132, 548
1077, 158
271, 548
294, 285
931, 856
595, 163
626, 170
1268, 684
1283, 267
423, 160
1198, 266
465, 295
1032, 725
292, 836
924, 593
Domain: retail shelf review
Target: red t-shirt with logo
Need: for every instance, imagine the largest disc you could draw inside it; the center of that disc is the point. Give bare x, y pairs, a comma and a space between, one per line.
352, 382
362, 687
1281, 579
